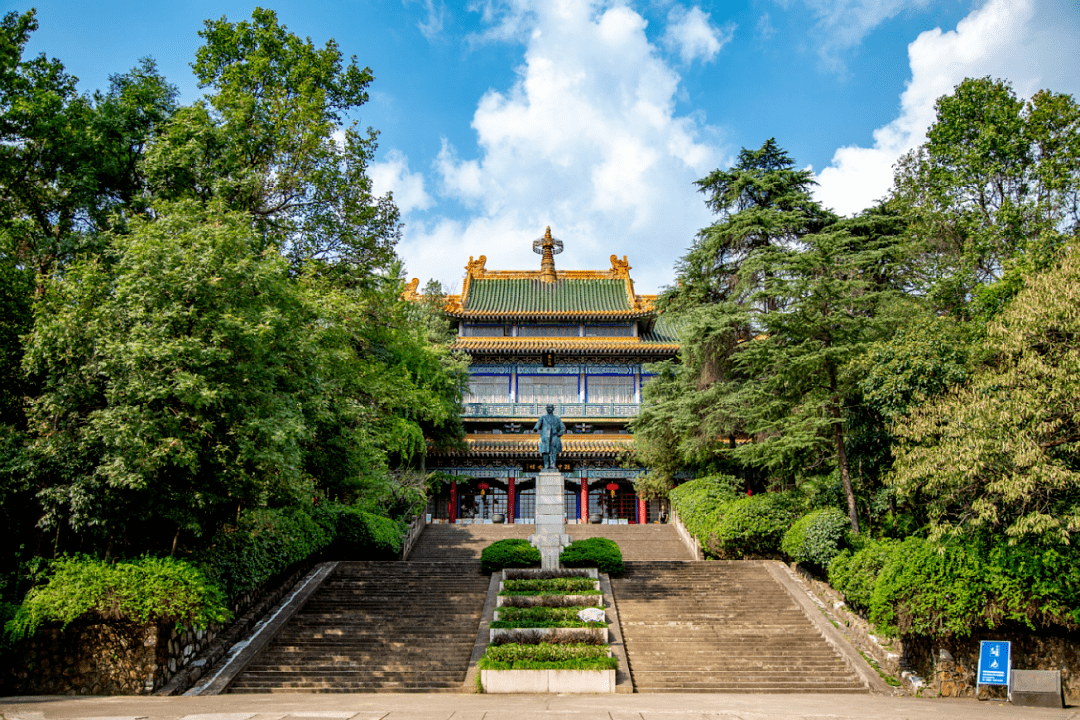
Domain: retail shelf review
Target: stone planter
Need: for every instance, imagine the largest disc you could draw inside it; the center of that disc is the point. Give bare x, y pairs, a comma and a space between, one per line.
595, 519
600, 633
585, 600
596, 586
548, 681
498, 518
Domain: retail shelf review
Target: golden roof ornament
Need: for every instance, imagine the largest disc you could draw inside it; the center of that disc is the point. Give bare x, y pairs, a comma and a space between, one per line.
549, 247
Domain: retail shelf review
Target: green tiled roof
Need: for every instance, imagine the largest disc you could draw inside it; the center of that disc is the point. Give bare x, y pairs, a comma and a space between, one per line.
526, 296
664, 330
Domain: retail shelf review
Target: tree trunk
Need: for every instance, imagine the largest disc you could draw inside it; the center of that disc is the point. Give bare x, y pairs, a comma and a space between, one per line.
841, 450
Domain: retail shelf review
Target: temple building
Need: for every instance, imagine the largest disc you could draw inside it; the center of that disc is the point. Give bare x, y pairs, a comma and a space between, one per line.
580, 340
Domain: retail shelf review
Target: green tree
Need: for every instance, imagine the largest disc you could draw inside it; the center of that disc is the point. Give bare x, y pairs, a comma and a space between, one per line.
1001, 452
994, 192
263, 142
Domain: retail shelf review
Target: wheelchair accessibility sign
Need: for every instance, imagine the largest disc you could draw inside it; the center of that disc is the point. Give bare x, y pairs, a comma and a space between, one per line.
995, 662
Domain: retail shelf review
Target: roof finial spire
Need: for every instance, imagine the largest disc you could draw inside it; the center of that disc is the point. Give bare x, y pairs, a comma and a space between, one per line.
549, 247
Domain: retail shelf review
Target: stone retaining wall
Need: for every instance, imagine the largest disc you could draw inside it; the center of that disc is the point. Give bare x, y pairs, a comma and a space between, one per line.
949, 666
122, 658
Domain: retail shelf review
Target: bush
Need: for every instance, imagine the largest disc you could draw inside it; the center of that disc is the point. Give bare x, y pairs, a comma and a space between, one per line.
360, 535
146, 590
596, 552
929, 589
816, 537
752, 526
545, 656
263, 544
855, 574
699, 503
550, 585
510, 553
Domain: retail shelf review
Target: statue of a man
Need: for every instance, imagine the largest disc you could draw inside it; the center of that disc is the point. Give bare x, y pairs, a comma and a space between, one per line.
551, 429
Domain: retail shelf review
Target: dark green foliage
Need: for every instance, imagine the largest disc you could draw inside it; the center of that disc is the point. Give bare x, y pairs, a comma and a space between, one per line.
147, 590
509, 553
565, 613
547, 599
854, 574
360, 535
547, 656
262, 545
752, 526
929, 589
816, 537
698, 502
550, 585
596, 552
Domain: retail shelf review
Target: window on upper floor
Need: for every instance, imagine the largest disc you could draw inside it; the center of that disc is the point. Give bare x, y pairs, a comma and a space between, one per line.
548, 330
547, 388
609, 388
609, 330
488, 389
487, 330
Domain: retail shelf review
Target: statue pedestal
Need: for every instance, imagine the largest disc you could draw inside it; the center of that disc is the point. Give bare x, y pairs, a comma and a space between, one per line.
550, 537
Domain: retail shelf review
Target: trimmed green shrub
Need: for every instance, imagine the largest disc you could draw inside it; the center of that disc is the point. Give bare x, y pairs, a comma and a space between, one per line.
559, 614
752, 526
815, 538
699, 503
929, 589
597, 552
855, 574
509, 553
360, 535
263, 544
550, 585
146, 590
547, 656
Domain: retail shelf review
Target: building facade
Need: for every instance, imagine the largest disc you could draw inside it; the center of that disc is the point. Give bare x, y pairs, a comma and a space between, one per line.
578, 340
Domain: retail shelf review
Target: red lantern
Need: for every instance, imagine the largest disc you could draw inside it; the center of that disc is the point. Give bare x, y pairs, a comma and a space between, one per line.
612, 487
483, 488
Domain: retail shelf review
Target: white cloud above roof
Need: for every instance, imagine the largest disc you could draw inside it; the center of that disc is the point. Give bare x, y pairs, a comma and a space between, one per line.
693, 37
1030, 42
588, 141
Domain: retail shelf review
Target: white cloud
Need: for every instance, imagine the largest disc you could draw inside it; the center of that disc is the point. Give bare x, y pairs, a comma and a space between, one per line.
434, 17
587, 141
392, 175
842, 24
692, 36
765, 29
1025, 41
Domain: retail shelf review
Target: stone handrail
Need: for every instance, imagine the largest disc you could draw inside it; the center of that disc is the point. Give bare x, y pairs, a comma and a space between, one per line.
689, 540
563, 410
417, 527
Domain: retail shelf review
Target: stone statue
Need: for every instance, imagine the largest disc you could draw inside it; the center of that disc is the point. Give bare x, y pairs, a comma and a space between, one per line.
551, 429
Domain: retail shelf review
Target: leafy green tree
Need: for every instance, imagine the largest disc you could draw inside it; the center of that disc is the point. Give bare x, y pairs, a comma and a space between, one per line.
68, 162
1001, 452
173, 380
994, 192
762, 201
271, 140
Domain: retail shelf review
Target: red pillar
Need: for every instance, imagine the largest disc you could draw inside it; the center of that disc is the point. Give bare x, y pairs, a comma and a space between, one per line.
510, 492
584, 500
642, 511
453, 501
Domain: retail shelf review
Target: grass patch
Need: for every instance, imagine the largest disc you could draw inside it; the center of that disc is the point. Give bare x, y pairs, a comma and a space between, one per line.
547, 656
550, 585
523, 601
512, 624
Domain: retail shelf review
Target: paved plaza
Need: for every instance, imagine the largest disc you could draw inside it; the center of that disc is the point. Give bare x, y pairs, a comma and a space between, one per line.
658, 706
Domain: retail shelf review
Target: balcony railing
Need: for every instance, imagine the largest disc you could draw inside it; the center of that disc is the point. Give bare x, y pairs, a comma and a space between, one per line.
563, 410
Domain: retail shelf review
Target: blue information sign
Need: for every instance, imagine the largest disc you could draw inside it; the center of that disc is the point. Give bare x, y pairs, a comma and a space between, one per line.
995, 662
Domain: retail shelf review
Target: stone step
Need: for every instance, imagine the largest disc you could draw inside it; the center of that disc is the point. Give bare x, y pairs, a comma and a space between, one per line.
721, 627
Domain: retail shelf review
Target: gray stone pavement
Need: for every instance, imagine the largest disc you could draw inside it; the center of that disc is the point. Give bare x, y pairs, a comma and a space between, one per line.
518, 707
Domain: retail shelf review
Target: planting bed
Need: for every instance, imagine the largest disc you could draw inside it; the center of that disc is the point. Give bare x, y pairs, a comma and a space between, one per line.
539, 644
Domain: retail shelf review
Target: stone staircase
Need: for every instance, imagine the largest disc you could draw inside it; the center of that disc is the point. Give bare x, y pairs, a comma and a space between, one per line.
724, 627
637, 542
461, 543
377, 627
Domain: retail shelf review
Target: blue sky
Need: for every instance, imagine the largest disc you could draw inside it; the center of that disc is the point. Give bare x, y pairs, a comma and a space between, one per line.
499, 117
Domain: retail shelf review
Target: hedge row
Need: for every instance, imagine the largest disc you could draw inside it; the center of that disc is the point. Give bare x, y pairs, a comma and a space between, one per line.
263, 544
925, 588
